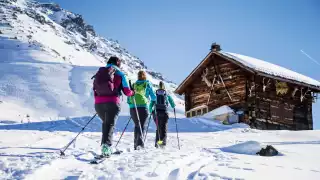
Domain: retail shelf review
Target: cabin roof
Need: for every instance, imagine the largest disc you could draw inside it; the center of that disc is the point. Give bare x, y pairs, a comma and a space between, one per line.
257, 66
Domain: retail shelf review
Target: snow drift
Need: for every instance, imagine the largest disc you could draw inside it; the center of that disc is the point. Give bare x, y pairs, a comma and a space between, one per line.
249, 148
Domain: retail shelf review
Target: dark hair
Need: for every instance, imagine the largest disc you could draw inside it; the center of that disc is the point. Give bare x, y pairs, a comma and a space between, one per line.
114, 60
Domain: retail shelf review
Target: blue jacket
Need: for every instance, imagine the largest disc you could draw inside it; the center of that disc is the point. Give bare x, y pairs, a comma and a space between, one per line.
149, 94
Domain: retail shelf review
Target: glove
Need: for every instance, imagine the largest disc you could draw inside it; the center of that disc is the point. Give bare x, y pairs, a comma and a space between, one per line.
151, 106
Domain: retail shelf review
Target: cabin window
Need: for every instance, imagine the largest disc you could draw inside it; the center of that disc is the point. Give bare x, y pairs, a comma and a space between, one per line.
199, 112
205, 110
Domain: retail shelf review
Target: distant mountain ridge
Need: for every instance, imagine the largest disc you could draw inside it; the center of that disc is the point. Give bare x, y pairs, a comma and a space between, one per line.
75, 25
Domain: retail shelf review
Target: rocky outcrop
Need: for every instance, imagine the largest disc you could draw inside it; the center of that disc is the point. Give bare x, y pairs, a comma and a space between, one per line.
52, 6
77, 24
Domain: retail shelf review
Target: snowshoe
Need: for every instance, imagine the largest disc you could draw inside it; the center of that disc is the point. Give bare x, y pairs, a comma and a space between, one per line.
99, 158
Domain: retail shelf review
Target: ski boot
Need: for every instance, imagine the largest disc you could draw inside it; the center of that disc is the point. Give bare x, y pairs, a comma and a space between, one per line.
105, 150
138, 147
160, 144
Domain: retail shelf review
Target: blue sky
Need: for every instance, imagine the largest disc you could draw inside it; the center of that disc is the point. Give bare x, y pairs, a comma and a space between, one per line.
172, 37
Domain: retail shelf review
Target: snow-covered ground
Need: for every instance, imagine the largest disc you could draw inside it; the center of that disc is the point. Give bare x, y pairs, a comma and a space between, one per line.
209, 151
48, 56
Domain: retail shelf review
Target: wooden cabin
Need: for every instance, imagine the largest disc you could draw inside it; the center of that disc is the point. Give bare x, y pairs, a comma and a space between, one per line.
269, 96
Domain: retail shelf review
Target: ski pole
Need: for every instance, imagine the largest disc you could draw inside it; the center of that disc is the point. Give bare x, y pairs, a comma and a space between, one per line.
175, 118
145, 137
123, 131
62, 152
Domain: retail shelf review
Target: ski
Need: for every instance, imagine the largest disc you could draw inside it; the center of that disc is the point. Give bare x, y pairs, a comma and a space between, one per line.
100, 158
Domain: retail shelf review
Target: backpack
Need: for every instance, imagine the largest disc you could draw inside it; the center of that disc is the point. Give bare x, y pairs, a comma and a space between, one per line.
161, 103
104, 84
140, 94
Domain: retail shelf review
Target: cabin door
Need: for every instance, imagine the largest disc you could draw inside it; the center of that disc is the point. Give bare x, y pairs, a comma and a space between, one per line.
300, 117
287, 115
282, 115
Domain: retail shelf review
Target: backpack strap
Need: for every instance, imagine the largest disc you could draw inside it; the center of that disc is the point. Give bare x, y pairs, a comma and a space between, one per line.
144, 85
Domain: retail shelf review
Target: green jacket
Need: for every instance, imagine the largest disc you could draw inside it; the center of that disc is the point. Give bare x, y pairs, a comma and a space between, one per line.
149, 94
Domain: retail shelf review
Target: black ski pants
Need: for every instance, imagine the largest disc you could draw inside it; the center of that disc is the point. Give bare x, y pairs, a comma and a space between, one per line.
143, 116
161, 121
108, 113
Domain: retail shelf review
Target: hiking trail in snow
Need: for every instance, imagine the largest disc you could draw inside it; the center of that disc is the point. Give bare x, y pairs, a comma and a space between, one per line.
220, 154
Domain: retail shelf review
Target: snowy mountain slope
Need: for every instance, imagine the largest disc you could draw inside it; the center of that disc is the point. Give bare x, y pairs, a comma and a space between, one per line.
48, 56
228, 154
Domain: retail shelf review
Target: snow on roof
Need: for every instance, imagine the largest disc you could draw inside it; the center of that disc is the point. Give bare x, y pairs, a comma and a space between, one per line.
269, 68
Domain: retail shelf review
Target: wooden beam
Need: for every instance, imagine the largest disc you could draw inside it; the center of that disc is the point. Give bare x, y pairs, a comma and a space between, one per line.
288, 80
225, 87
214, 79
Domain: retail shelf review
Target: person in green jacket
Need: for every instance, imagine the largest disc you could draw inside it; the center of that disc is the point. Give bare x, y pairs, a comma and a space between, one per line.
139, 104
160, 114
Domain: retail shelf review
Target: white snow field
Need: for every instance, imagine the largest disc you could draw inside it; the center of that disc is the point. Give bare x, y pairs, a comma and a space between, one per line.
47, 58
31, 151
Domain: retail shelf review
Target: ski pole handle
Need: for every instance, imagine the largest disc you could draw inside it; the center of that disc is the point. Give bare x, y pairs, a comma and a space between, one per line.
130, 84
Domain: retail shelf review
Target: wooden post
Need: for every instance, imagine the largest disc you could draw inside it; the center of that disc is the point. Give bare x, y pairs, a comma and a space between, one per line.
225, 87
214, 79
254, 116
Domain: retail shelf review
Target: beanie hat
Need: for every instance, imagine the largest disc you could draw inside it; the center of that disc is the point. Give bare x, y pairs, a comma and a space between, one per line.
114, 60
161, 85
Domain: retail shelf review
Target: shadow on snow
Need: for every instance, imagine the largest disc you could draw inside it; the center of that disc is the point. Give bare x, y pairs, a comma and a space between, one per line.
77, 123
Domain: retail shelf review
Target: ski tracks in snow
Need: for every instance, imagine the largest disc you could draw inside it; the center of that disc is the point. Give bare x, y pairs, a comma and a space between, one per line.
40, 160
35, 155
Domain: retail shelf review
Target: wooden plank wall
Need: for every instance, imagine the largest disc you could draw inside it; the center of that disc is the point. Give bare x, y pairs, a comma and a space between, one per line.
280, 111
233, 77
